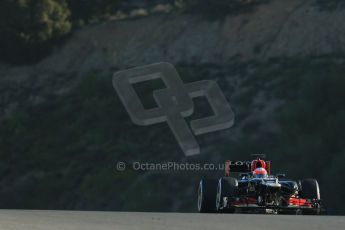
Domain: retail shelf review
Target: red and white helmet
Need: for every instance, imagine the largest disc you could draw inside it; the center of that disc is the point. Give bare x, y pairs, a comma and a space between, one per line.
260, 173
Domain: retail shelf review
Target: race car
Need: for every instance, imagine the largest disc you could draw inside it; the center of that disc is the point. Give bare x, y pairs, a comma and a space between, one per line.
256, 190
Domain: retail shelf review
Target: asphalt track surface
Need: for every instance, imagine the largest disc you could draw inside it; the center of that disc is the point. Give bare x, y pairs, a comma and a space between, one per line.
80, 220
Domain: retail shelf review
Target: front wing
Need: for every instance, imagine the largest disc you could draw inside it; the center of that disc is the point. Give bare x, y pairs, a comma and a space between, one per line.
250, 203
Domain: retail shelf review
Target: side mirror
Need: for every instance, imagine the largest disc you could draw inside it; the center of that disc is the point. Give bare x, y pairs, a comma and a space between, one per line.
281, 175
244, 175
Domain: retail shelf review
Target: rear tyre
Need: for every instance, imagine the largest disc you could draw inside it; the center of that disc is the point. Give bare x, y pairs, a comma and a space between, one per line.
309, 189
207, 192
227, 187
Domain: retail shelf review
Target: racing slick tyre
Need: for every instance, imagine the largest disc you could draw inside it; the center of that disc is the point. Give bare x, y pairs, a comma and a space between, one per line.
309, 189
227, 187
207, 195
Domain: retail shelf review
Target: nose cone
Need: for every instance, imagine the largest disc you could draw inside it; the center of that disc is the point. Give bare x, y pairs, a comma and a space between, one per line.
273, 186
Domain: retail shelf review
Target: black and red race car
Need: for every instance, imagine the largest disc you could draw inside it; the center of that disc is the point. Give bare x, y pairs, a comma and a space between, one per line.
263, 194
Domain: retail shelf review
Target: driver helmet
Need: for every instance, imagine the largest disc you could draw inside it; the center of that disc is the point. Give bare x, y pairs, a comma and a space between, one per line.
260, 173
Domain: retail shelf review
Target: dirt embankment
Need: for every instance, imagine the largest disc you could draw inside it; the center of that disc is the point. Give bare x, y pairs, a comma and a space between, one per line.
294, 28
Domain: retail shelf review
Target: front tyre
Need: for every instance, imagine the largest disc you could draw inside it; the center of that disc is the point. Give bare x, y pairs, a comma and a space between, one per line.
310, 190
227, 187
207, 195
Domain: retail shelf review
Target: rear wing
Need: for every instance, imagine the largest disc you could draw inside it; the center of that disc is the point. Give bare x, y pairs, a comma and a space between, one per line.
244, 166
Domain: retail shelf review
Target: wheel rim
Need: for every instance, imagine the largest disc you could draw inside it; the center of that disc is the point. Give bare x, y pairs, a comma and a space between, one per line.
260, 200
317, 191
200, 196
218, 198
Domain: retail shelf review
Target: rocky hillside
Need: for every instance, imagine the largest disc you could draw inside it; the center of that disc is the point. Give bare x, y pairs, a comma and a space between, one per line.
279, 29
63, 128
